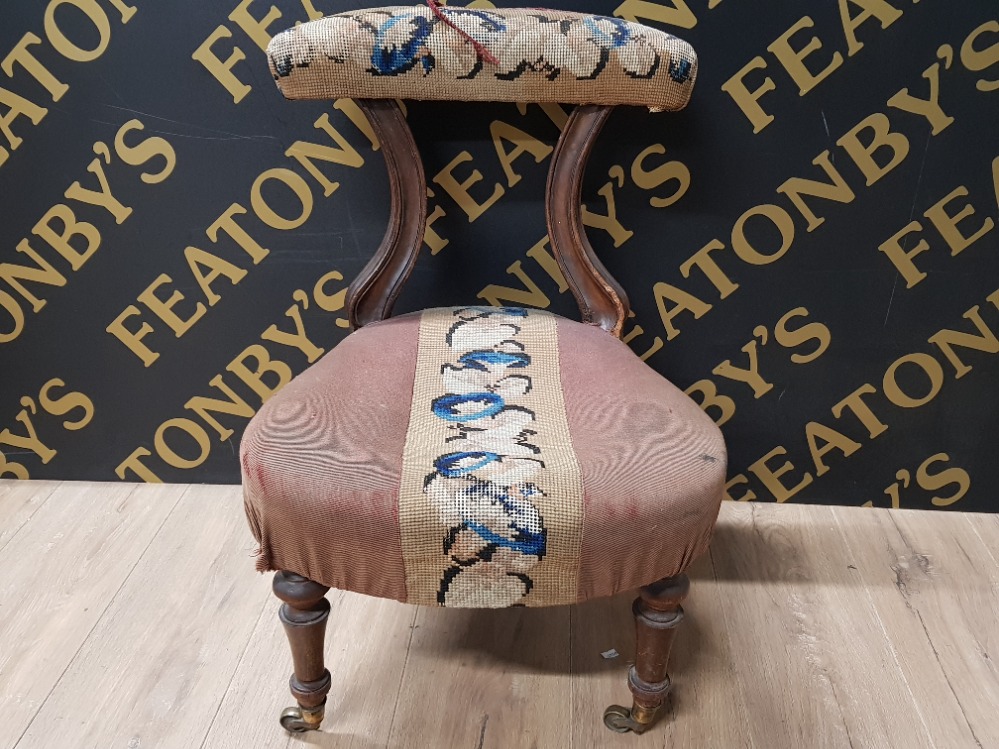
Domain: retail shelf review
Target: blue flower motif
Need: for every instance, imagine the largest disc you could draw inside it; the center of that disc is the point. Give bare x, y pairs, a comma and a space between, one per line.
620, 36
389, 59
524, 542
449, 466
680, 71
490, 311
504, 516
445, 406
481, 359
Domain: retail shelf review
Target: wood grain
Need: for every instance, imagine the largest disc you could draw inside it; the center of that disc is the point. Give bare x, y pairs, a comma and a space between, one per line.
821, 635
19, 500
365, 653
131, 617
937, 588
706, 707
156, 666
481, 678
62, 570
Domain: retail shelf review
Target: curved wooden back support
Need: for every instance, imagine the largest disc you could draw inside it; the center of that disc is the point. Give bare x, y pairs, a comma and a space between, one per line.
373, 293
601, 299
371, 296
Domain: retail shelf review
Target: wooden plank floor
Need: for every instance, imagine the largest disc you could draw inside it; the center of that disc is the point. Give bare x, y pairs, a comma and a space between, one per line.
130, 616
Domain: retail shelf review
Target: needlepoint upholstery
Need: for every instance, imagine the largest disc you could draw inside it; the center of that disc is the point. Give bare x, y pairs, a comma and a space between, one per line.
503, 54
482, 457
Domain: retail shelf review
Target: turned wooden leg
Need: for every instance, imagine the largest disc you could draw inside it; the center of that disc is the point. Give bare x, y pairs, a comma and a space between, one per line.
304, 616
657, 614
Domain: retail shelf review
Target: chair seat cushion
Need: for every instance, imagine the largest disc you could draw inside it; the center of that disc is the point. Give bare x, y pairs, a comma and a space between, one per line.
503, 54
482, 457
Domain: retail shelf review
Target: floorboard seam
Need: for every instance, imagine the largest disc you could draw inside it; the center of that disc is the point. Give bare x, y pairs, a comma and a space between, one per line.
884, 631
572, 691
402, 677
33, 513
943, 670
99, 619
731, 648
988, 549
242, 656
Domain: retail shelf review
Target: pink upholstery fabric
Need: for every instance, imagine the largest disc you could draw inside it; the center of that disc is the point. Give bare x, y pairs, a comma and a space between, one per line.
653, 464
322, 464
322, 461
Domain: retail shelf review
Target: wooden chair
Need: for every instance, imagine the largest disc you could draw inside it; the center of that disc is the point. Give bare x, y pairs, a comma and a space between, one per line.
477, 456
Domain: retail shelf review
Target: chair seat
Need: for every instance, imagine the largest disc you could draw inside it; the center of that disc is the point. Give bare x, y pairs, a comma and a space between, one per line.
482, 457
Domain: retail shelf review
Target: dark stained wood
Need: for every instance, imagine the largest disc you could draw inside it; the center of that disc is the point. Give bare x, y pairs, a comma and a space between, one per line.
373, 293
657, 615
601, 299
304, 615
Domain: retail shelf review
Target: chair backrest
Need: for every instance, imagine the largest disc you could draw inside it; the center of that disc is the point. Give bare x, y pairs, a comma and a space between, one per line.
427, 52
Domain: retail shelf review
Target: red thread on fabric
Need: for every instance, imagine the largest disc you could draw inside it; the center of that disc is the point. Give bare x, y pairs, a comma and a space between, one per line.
484, 53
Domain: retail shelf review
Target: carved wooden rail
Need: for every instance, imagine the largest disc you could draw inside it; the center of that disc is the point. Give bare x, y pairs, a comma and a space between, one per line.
373, 293
601, 299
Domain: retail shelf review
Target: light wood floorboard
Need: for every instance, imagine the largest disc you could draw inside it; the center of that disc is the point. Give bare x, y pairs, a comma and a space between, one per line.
707, 708
131, 617
794, 573
19, 500
366, 647
170, 640
485, 678
61, 572
937, 606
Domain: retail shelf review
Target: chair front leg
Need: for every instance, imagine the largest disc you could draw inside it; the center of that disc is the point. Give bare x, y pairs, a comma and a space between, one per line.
657, 614
304, 614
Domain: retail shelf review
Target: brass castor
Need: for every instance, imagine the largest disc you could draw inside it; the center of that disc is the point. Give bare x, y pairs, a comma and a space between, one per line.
299, 720
618, 719
637, 720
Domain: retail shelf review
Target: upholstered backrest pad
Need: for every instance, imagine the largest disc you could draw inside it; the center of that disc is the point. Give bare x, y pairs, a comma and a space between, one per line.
408, 52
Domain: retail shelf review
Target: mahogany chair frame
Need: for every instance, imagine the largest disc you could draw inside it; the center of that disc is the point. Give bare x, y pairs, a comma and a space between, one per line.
370, 298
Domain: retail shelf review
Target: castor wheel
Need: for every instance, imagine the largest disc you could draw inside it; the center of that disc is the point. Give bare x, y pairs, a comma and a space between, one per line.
297, 720
637, 720
618, 719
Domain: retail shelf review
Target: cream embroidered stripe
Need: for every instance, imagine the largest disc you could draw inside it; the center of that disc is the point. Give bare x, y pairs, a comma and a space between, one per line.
490, 505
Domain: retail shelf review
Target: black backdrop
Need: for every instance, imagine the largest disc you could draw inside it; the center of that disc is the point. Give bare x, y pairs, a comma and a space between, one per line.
847, 339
